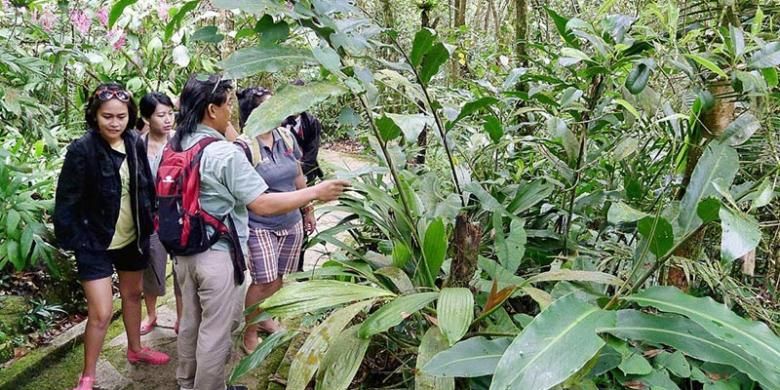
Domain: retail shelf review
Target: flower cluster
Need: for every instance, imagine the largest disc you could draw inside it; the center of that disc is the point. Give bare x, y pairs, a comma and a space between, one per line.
102, 16
80, 21
46, 19
162, 10
116, 37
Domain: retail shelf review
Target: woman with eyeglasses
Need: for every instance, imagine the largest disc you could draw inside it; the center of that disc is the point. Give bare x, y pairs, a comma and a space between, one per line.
157, 117
103, 212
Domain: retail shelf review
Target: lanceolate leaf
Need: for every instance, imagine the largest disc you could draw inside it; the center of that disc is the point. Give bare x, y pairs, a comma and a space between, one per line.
719, 162
254, 359
659, 235
455, 310
117, 10
394, 312
767, 57
176, 20
472, 107
307, 297
690, 338
741, 234
708, 64
754, 337
554, 346
290, 100
432, 61
575, 275
307, 359
620, 213
253, 60
342, 360
470, 358
432, 343
434, 247
638, 77
423, 41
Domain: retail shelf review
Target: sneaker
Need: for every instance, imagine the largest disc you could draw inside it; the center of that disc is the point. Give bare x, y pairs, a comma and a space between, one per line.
149, 356
85, 383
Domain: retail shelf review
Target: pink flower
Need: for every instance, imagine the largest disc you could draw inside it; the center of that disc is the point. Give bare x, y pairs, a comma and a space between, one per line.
80, 21
120, 42
116, 38
102, 15
46, 19
162, 10
6, 4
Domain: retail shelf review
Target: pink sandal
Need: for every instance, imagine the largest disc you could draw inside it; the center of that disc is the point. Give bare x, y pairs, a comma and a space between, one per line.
148, 327
85, 383
149, 356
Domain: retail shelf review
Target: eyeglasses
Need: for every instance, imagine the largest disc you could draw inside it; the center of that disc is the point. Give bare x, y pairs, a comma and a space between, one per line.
105, 94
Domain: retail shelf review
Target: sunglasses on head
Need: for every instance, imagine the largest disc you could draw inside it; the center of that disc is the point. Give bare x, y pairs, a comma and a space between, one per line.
106, 94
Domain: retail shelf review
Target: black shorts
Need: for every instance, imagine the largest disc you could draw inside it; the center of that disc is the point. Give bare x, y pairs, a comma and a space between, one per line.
93, 265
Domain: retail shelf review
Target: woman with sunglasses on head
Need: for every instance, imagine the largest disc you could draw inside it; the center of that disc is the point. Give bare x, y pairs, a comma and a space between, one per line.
103, 212
157, 117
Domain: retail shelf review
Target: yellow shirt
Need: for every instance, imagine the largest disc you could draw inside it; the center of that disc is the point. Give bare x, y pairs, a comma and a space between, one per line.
124, 232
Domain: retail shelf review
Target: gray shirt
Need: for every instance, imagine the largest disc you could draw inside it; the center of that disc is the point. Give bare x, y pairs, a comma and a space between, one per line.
227, 182
278, 167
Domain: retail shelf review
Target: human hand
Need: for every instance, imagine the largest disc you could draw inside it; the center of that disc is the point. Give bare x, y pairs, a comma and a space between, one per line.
309, 222
329, 190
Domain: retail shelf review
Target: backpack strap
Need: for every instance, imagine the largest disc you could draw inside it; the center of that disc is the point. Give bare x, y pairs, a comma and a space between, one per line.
287, 137
250, 147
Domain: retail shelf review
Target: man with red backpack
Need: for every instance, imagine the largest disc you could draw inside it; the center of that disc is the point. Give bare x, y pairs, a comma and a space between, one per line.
208, 233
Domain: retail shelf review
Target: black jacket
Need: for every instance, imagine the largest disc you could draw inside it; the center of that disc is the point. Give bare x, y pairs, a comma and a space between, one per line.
308, 137
89, 193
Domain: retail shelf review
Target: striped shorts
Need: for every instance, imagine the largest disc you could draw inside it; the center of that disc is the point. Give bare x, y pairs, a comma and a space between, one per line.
273, 253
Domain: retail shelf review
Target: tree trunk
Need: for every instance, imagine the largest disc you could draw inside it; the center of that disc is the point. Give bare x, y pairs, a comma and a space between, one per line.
466, 243
460, 20
521, 32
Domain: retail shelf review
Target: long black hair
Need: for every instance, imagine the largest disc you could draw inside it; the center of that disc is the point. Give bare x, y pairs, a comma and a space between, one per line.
94, 103
249, 99
198, 93
148, 105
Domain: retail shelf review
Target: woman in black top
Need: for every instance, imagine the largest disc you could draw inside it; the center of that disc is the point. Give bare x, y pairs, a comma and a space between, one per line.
103, 212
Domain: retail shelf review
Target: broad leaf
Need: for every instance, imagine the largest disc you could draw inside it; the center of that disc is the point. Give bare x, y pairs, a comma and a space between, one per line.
432, 61
659, 235
290, 100
394, 312
575, 276
342, 360
741, 129
713, 67
257, 356
719, 162
767, 57
399, 278
253, 60
12, 220
117, 9
310, 354
740, 234
434, 247
455, 311
675, 362
510, 249
621, 213
432, 343
472, 107
494, 128
175, 22
554, 346
560, 25
423, 41
691, 339
208, 34
470, 358
388, 130
271, 32
638, 77
411, 124
307, 297
559, 130
752, 336
708, 209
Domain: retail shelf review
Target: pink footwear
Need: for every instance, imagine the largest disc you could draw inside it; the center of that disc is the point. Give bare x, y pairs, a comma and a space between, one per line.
85, 383
149, 356
148, 327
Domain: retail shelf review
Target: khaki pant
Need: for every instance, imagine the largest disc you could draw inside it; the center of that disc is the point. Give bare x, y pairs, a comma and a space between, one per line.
212, 306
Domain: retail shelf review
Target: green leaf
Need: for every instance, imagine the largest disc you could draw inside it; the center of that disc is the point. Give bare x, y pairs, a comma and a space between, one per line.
455, 310
708, 210
271, 32
342, 360
401, 254
290, 100
434, 247
621, 213
660, 238
764, 194
767, 57
751, 336
472, 107
510, 249
635, 364
394, 312
253, 60
12, 251
411, 124
26, 243
303, 298
560, 25
675, 362
688, 337
714, 68
770, 76
737, 40
575, 275
432, 343
638, 77
628, 106
560, 131
553, 347
741, 234
388, 130
208, 34
658, 379
423, 41
310, 354
117, 9
399, 278
470, 358
718, 163
175, 22
740, 129
493, 127
254, 359
432, 61
12, 222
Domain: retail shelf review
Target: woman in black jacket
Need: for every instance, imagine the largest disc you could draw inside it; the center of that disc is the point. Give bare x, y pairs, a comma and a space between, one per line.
103, 212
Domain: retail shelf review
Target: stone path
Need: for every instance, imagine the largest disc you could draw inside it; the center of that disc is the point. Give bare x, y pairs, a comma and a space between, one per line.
114, 372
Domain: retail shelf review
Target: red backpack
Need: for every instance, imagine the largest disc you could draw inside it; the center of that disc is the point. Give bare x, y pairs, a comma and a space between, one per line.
180, 221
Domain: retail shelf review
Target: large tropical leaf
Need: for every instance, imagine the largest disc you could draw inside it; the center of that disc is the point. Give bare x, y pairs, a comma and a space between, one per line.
434, 248
455, 310
290, 100
307, 359
510, 249
740, 234
342, 360
253, 60
313, 295
554, 346
432, 343
767, 57
392, 313
575, 275
693, 340
257, 356
718, 163
117, 9
470, 358
754, 337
